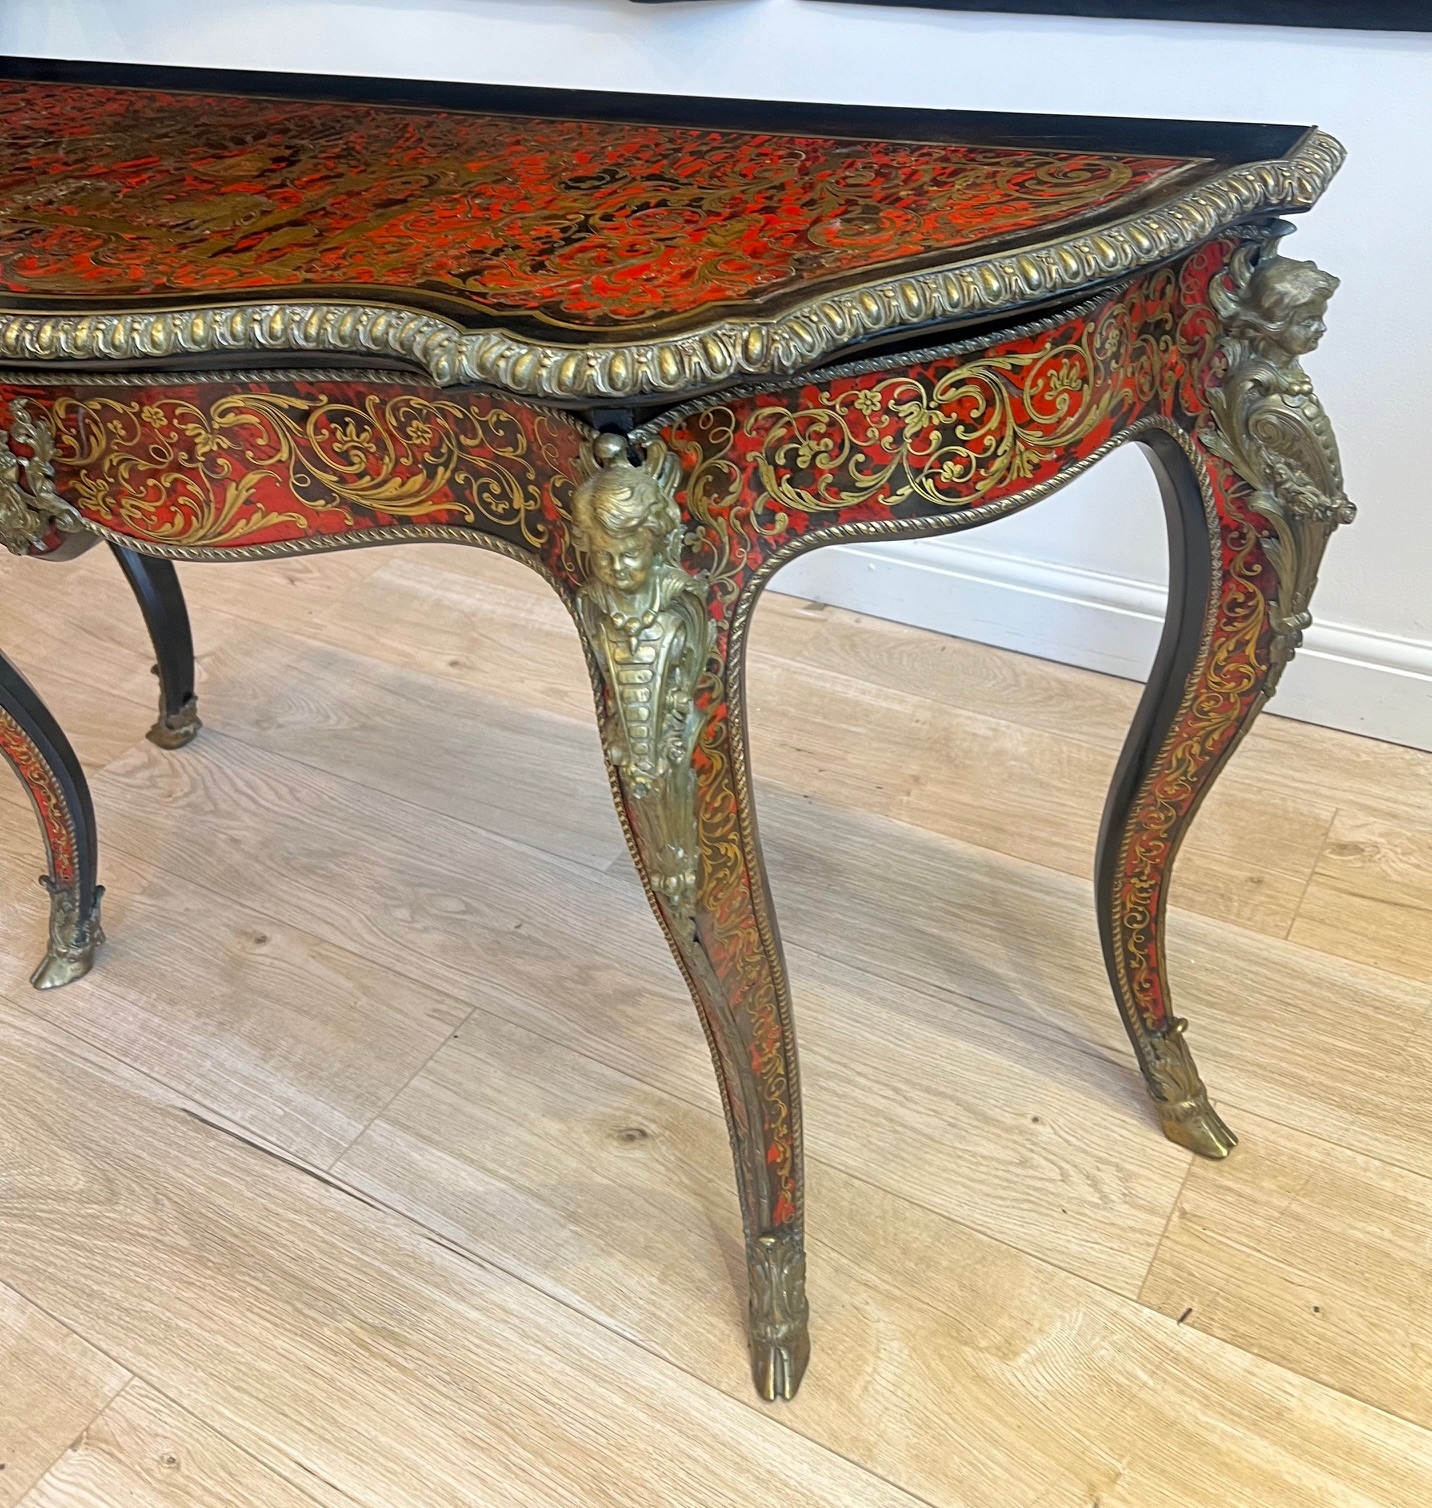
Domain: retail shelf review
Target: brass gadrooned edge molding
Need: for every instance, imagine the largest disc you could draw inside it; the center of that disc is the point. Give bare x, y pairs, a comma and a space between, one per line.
705, 358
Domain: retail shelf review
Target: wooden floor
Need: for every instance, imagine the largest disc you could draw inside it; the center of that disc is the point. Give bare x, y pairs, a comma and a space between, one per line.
380, 1162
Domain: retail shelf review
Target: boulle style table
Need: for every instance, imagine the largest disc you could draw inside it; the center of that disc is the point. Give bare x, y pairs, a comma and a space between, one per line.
653, 348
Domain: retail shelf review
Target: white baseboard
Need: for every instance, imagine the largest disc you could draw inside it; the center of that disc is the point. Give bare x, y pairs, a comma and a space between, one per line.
1343, 677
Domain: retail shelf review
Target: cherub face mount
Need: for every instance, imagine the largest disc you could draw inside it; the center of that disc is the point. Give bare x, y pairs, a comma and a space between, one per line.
645, 620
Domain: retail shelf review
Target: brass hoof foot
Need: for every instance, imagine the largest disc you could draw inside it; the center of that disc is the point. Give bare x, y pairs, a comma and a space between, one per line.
175, 729
1195, 1124
73, 938
778, 1370
780, 1316
1180, 1097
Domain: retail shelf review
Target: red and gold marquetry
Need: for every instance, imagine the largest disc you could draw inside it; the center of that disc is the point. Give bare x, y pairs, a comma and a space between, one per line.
48, 796
205, 468
585, 226
228, 467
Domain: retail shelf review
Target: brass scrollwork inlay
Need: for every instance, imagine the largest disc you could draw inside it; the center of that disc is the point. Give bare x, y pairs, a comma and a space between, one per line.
223, 471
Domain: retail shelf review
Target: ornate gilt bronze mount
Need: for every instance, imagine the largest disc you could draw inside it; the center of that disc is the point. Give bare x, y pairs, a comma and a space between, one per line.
29, 504
73, 937
644, 618
779, 1313
1181, 1098
172, 730
1270, 427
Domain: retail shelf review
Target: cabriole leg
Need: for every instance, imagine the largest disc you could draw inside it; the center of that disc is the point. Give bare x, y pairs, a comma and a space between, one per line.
41, 756
1204, 687
1251, 499
155, 584
671, 719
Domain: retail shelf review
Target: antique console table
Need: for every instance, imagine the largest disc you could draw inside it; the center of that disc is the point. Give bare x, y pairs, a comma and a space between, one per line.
653, 348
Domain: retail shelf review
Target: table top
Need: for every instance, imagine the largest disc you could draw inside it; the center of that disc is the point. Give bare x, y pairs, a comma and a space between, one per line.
572, 245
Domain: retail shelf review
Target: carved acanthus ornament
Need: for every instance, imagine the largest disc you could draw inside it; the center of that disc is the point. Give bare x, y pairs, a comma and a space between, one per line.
645, 620
29, 505
779, 1313
1271, 428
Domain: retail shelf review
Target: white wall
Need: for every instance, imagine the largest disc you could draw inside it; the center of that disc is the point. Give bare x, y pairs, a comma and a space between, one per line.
1079, 578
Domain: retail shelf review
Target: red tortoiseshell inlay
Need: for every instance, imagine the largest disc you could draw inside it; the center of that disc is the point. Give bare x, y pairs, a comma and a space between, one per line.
49, 799
587, 225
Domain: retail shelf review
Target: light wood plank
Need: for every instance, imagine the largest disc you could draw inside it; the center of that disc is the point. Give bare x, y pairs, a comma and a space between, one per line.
1332, 768
99, 725
481, 567
512, 769
803, 727
1052, 1152
78, 617
1057, 1155
941, 918
75, 631
286, 591
52, 1384
437, 901
987, 1186
1283, 757
1007, 786
1040, 695
946, 919
489, 632
332, 1340
492, 624
1370, 897
299, 1040
145, 1452
955, 1367
1313, 1257
1039, 797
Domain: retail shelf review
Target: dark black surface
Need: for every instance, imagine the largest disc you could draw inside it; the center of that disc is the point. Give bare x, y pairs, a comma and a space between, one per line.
23, 703
1224, 141
1355, 15
1190, 574
155, 584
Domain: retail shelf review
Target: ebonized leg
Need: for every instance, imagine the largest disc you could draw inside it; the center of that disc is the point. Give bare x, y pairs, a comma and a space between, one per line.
1170, 758
41, 756
672, 714
161, 599
1252, 496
